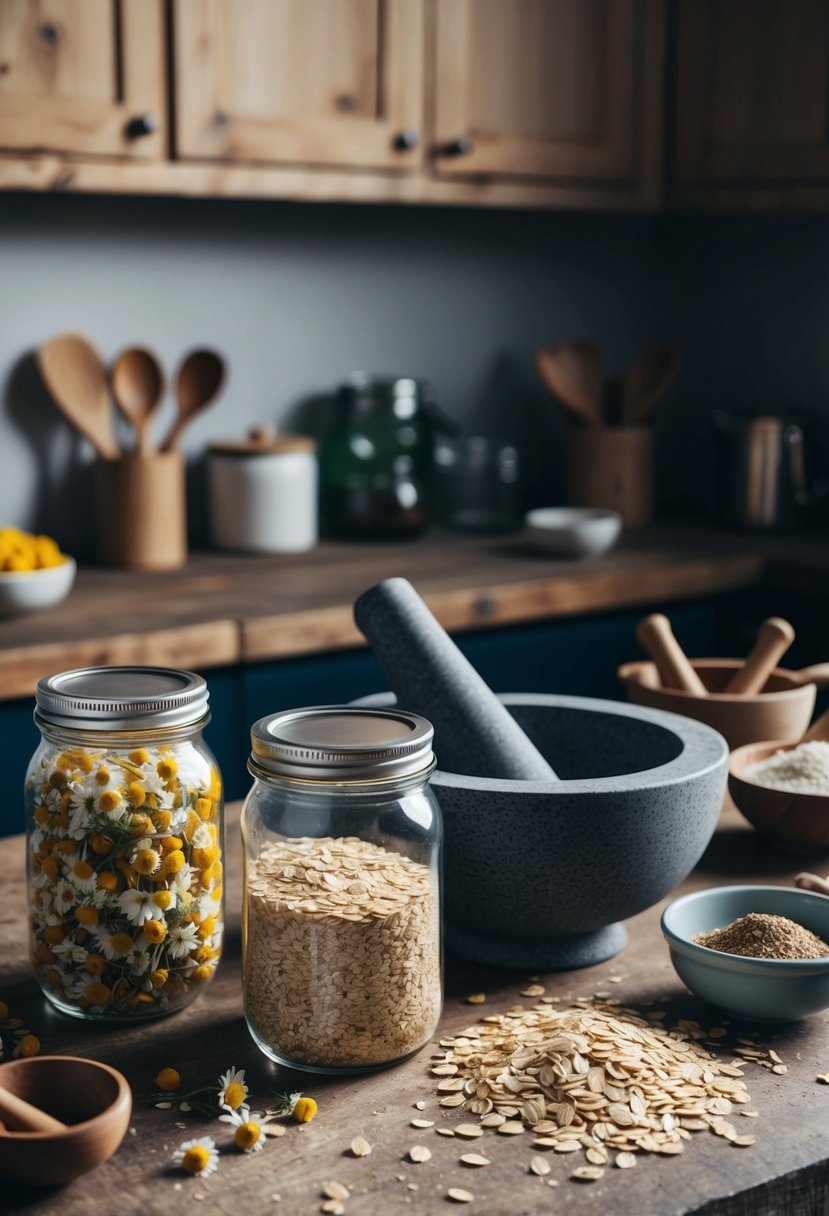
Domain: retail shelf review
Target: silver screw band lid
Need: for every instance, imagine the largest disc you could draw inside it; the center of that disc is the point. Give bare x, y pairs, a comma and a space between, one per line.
122, 698
342, 742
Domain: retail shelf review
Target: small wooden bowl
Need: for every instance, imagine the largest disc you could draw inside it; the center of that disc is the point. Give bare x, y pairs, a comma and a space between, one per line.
782, 710
93, 1099
794, 823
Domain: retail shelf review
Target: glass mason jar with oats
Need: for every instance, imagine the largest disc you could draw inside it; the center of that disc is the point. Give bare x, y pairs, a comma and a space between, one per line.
124, 826
341, 932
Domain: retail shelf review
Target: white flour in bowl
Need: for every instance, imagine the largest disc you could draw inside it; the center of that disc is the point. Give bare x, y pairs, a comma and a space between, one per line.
802, 770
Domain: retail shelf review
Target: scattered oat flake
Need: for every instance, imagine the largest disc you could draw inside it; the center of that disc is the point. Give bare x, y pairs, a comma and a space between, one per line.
615, 979
511, 1128
335, 1190
742, 1141
459, 1196
625, 1161
476, 998
567, 1146
755, 1114
540, 1166
274, 1130
474, 1159
164, 1106
334, 1207
419, 1152
422, 1123
588, 1173
360, 1147
534, 990
780, 1069
774, 1057
822, 1077
717, 1032
469, 1131
445, 1131
420, 1105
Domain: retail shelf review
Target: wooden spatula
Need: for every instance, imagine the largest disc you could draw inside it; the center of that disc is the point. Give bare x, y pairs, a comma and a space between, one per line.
76, 378
572, 371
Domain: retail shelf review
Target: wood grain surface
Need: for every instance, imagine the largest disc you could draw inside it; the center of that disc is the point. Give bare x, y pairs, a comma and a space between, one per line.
785, 1172
224, 609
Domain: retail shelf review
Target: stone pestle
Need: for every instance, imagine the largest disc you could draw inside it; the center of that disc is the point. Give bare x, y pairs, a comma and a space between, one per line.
474, 733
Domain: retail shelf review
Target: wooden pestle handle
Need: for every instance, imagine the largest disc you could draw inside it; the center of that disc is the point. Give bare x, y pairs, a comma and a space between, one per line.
774, 638
813, 882
21, 1116
819, 730
654, 633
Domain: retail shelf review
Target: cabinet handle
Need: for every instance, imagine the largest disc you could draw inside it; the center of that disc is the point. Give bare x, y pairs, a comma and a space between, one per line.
140, 125
405, 141
462, 146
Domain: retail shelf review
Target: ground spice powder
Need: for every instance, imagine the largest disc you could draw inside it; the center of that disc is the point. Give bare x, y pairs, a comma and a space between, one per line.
760, 935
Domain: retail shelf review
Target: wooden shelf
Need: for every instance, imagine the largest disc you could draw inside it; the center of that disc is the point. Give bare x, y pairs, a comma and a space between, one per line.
224, 610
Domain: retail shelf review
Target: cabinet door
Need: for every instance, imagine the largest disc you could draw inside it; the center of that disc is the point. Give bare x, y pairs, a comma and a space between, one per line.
82, 76
320, 82
752, 91
554, 89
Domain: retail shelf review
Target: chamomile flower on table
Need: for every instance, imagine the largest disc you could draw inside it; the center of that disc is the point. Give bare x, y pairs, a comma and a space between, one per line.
233, 1091
247, 1129
198, 1157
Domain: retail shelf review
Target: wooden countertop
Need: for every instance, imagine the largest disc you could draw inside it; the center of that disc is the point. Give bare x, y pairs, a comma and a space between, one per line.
786, 1171
223, 610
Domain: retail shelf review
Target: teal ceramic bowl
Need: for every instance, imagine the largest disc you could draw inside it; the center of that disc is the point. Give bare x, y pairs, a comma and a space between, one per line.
762, 990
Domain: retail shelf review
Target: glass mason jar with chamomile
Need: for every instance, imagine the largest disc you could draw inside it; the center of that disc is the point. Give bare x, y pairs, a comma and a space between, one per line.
124, 835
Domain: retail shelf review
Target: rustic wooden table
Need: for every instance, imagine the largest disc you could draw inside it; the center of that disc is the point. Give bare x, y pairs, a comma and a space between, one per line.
785, 1172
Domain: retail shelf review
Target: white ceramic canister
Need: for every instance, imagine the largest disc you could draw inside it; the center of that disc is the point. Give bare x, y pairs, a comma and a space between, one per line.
263, 493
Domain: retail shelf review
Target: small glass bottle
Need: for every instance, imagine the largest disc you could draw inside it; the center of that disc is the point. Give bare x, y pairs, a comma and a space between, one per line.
341, 933
124, 825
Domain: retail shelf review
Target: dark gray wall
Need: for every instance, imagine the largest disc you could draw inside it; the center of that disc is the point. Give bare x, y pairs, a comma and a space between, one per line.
299, 295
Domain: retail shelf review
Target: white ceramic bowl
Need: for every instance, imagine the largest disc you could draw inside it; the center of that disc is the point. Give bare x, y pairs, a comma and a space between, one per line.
27, 590
573, 531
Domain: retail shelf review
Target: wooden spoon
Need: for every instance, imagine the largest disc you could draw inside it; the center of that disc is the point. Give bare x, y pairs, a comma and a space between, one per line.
138, 386
646, 382
199, 381
572, 372
774, 638
75, 376
654, 633
21, 1116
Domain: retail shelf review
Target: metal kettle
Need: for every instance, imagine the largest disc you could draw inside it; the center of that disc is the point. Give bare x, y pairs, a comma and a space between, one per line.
761, 471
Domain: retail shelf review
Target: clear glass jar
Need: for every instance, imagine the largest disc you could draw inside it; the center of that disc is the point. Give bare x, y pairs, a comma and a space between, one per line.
341, 932
124, 825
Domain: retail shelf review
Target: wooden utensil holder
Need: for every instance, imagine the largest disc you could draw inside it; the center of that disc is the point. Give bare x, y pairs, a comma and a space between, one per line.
141, 511
612, 467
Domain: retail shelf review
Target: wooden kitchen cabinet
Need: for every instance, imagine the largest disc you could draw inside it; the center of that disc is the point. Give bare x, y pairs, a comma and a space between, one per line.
311, 82
83, 77
525, 103
566, 91
752, 97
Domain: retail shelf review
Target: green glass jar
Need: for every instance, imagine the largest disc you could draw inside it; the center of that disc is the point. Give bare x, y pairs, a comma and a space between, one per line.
376, 460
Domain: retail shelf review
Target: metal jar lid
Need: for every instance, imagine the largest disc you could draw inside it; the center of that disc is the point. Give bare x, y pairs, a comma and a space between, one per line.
342, 742
122, 698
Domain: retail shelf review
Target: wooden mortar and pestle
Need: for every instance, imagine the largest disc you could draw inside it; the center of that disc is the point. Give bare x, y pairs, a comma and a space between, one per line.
38, 1147
745, 701
794, 822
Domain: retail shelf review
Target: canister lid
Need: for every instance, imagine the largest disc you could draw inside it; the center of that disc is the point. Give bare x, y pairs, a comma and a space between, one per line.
262, 441
122, 698
342, 742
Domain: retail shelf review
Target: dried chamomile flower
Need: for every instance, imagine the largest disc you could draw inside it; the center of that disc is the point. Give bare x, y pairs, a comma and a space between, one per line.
199, 1157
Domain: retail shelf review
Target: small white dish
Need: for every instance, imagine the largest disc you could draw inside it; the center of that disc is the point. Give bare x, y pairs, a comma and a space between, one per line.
573, 531
27, 590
